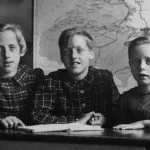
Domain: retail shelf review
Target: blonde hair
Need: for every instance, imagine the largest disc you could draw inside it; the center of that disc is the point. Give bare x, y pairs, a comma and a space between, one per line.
19, 35
68, 33
137, 42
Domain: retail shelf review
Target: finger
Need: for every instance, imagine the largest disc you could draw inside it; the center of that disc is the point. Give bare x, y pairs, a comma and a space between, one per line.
10, 123
121, 127
117, 127
20, 123
4, 123
86, 118
17, 122
96, 118
97, 122
90, 113
98, 114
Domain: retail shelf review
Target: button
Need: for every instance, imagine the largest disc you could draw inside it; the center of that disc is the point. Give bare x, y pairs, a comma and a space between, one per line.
83, 105
81, 91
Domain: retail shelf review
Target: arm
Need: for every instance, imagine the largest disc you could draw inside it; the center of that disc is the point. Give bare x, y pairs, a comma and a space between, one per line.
112, 100
106, 95
44, 103
136, 125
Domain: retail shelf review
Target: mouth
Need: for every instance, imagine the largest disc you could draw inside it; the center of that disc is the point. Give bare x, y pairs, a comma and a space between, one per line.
75, 63
143, 76
7, 63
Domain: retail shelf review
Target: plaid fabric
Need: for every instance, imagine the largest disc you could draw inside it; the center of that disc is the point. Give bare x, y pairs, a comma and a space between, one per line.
60, 100
14, 94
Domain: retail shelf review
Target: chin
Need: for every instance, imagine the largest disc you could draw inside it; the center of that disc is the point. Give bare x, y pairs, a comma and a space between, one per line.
144, 83
75, 71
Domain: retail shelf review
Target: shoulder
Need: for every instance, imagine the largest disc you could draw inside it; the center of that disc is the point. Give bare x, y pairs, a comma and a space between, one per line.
26, 73
24, 69
101, 73
58, 74
128, 94
52, 79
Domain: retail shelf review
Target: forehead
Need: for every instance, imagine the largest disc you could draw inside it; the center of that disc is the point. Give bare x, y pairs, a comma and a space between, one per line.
77, 40
7, 36
141, 50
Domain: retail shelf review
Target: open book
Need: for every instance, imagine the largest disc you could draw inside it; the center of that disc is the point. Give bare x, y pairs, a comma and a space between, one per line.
60, 127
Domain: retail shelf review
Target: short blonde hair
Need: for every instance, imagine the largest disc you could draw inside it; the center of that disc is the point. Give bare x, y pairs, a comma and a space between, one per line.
19, 35
137, 42
68, 33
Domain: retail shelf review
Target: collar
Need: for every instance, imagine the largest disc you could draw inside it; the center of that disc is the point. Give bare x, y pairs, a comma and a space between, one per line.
21, 73
70, 84
19, 76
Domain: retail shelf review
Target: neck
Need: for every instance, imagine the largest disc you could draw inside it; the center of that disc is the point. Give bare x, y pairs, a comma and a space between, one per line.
8, 75
78, 76
144, 89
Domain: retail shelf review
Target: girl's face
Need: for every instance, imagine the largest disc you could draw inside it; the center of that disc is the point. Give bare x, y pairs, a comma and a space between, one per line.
9, 54
140, 64
76, 56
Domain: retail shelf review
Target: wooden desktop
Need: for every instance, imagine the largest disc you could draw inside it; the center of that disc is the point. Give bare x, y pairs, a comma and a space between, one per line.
87, 140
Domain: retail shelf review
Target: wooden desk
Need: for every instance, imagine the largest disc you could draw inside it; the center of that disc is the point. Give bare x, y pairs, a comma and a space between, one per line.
97, 140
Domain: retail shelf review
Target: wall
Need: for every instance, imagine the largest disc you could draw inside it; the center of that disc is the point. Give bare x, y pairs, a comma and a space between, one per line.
110, 23
20, 12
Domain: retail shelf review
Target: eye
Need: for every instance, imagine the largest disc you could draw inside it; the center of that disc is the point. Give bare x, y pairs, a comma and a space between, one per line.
79, 50
135, 61
12, 48
66, 51
148, 61
1, 48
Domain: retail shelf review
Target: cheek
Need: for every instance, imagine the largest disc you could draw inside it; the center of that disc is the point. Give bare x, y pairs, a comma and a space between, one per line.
133, 69
65, 59
17, 56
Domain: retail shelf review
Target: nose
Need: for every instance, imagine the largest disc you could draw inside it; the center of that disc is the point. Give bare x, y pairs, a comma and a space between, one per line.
74, 53
142, 65
6, 52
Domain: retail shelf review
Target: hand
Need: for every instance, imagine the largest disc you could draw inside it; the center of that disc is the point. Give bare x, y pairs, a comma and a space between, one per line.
97, 119
131, 126
11, 122
86, 118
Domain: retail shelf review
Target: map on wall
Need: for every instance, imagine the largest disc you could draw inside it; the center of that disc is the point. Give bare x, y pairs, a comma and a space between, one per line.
112, 23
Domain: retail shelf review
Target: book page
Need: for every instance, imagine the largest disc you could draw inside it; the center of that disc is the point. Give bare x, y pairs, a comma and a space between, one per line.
81, 127
60, 127
44, 127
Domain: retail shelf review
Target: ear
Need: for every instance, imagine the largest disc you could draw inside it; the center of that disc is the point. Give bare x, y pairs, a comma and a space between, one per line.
22, 51
91, 54
22, 54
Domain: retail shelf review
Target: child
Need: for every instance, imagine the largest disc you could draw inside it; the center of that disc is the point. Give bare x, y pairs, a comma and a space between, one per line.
16, 81
80, 92
134, 108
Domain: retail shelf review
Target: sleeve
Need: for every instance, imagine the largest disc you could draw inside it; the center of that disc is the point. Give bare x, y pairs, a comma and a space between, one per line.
112, 101
45, 103
122, 108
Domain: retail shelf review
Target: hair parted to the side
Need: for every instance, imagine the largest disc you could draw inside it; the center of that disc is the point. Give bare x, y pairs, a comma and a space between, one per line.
137, 42
68, 33
19, 35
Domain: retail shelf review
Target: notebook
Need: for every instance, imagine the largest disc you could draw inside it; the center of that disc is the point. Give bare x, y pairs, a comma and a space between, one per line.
60, 127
